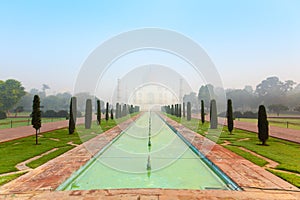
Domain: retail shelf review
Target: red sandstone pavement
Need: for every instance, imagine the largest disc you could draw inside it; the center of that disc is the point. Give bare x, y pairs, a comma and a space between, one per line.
274, 131
25, 131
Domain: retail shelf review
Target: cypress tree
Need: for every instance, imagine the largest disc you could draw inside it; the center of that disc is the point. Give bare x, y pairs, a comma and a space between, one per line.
98, 112
188, 111
36, 116
202, 112
183, 110
229, 116
88, 114
106, 113
172, 109
72, 122
179, 110
213, 115
263, 125
74, 108
117, 110
120, 111
111, 113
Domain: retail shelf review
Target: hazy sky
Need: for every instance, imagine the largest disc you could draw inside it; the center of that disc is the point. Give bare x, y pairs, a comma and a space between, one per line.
47, 41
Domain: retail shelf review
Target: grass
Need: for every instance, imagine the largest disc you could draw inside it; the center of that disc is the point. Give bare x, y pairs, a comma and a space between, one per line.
18, 122
284, 152
280, 122
8, 178
291, 178
16, 151
38, 162
254, 159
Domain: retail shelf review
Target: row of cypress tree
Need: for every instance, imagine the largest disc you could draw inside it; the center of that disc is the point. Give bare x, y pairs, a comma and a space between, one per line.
263, 125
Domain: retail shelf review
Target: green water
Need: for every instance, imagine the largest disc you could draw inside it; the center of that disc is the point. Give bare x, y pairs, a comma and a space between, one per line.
171, 163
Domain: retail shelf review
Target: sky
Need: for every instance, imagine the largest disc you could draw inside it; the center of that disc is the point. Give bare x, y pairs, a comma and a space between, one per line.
46, 42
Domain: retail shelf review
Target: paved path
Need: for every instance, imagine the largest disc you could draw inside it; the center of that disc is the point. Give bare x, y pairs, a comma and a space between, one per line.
25, 131
274, 131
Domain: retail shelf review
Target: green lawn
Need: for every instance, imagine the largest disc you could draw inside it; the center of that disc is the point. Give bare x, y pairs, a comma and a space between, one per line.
291, 178
19, 150
17, 122
8, 178
284, 152
281, 122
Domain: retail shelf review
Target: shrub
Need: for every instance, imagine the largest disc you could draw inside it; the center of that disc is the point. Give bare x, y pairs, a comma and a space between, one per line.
49, 113
62, 114
3, 115
237, 114
250, 114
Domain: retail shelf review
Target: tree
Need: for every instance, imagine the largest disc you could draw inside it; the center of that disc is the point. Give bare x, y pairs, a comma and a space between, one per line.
277, 108
229, 116
206, 93
106, 113
263, 125
117, 111
297, 109
88, 114
183, 110
172, 109
188, 111
11, 91
36, 116
98, 112
179, 110
192, 97
44, 88
202, 112
213, 115
72, 118
18, 109
111, 113
273, 91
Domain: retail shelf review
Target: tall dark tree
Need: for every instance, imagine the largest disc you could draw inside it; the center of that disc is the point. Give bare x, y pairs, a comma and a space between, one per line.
229, 116
172, 110
111, 113
98, 112
72, 118
263, 125
188, 111
36, 116
120, 111
183, 110
179, 110
117, 111
202, 112
106, 113
88, 114
213, 115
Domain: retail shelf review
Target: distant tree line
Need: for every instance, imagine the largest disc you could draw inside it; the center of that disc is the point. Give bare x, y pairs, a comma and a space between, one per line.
278, 96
